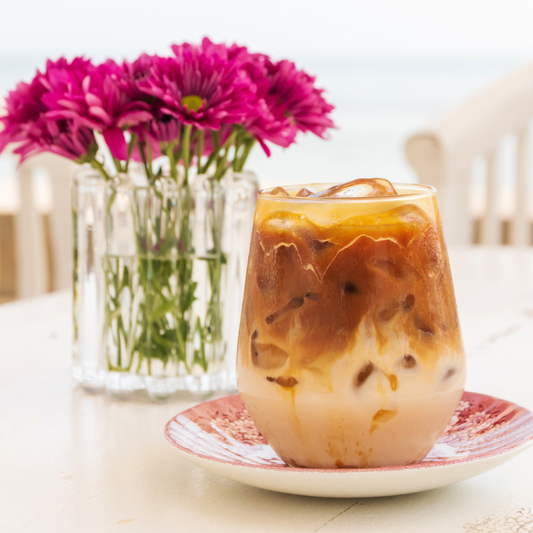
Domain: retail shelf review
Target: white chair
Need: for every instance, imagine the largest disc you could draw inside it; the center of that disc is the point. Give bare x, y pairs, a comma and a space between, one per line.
32, 261
444, 155
32, 242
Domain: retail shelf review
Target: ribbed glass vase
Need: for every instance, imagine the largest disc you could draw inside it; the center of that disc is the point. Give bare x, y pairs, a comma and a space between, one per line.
173, 277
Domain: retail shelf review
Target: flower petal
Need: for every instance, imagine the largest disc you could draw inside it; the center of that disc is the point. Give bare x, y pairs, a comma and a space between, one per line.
101, 114
93, 100
114, 138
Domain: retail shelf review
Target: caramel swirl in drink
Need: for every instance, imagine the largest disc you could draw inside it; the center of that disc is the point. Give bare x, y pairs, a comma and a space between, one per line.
350, 352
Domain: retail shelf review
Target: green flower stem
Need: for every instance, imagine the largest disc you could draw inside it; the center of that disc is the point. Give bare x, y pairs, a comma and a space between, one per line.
238, 144
214, 154
216, 140
221, 164
186, 151
98, 166
150, 161
200, 151
118, 164
244, 156
209, 162
173, 165
130, 151
114, 321
147, 168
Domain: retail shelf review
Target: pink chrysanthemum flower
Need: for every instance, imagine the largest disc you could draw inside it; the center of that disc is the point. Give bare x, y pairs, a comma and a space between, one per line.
265, 126
23, 106
267, 123
292, 93
26, 121
159, 134
135, 72
165, 129
286, 99
57, 137
201, 87
98, 103
233, 52
162, 130
262, 122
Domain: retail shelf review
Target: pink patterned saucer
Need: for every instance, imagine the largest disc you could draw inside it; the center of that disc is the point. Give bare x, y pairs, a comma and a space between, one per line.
220, 437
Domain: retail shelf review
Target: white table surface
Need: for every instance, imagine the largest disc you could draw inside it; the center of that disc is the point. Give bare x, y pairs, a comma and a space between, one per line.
72, 462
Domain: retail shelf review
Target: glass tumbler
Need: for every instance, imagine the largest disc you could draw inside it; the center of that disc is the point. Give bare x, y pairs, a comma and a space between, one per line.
350, 352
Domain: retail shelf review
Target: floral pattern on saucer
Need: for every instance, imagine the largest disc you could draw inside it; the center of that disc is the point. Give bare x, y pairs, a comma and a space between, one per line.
222, 430
482, 425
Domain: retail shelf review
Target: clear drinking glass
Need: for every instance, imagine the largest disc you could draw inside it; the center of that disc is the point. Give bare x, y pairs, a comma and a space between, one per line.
350, 352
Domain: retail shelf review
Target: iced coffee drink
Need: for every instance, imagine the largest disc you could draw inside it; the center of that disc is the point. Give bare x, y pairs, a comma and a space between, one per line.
350, 351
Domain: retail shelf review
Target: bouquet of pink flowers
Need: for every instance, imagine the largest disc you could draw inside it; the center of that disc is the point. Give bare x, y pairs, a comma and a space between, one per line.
202, 108
191, 108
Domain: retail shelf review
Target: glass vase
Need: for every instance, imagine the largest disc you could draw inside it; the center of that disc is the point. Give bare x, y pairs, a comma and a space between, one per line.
174, 272
87, 201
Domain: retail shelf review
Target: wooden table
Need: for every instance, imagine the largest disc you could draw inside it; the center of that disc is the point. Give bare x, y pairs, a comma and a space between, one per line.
72, 462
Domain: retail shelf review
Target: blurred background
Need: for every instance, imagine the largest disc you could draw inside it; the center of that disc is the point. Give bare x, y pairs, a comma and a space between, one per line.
391, 67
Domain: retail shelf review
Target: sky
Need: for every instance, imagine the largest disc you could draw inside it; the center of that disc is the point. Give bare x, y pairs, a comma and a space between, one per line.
278, 27
389, 66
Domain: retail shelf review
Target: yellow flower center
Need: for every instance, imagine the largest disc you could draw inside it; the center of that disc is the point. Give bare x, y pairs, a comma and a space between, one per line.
192, 102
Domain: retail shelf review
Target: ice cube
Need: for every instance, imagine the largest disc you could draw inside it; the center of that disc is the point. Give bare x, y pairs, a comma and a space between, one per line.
286, 382
412, 214
423, 325
278, 191
408, 215
317, 245
293, 304
305, 192
363, 187
364, 374
387, 314
266, 355
408, 361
